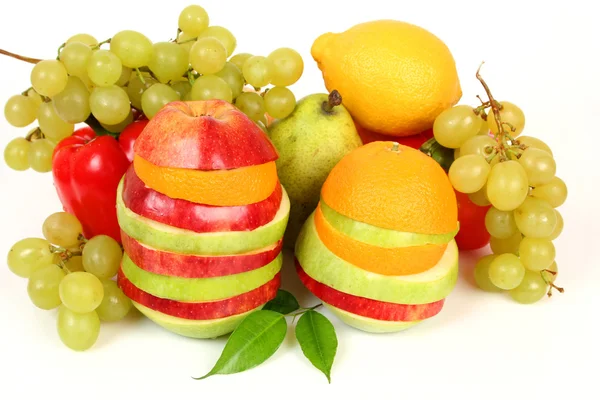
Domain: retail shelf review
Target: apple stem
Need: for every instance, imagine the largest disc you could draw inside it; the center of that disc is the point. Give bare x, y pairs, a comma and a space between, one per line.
334, 99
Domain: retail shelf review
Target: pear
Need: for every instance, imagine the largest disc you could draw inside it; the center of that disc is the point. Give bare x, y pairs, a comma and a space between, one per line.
310, 142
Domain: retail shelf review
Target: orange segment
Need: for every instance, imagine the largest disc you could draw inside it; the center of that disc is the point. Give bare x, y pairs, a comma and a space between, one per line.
380, 260
234, 187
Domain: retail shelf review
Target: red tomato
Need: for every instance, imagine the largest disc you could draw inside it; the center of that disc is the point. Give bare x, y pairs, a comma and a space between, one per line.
128, 136
472, 234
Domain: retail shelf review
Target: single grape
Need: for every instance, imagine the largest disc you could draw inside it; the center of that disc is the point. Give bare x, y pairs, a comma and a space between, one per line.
73, 104
124, 78
209, 87
280, 102
547, 274
510, 245
182, 88
223, 35
554, 192
136, 88
87, 82
77, 331
531, 289
115, 305
102, 256
118, 128
485, 130
186, 41
240, 59
539, 166
208, 56
257, 71
558, 227
454, 126
193, 20
62, 229
469, 173
251, 104
535, 143
507, 185
480, 145
49, 77
104, 68
43, 286
81, 292
509, 114
133, 48
83, 38
28, 255
234, 78
40, 155
456, 154
506, 271
16, 154
75, 57
156, 97
169, 61
480, 197
53, 126
37, 99
535, 218
500, 224
110, 105
288, 66
75, 264
20, 110
482, 274
536, 254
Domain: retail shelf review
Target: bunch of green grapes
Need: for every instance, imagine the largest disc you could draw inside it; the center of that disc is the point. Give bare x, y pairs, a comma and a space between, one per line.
74, 275
516, 176
115, 80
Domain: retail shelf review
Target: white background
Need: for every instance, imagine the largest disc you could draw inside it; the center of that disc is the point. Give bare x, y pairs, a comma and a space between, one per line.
542, 57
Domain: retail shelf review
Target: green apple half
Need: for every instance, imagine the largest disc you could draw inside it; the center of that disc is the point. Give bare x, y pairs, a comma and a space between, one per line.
165, 237
369, 324
199, 289
381, 237
323, 266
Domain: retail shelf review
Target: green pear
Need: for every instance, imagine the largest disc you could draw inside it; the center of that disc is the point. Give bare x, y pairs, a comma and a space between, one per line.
310, 142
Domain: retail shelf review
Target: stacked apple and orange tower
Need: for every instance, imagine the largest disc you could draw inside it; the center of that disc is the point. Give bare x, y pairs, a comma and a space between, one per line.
202, 215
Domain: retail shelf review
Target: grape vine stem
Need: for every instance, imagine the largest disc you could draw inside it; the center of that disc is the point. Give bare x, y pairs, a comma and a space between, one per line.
30, 60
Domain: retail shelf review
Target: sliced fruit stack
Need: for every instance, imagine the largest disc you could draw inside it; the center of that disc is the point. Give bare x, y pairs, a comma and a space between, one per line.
379, 250
202, 215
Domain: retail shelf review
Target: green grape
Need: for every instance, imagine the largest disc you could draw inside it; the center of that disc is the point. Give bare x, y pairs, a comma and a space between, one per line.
16, 154
102, 256
539, 166
509, 114
240, 59
480, 197
73, 104
531, 289
288, 66
62, 229
554, 192
469, 173
454, 126
110, 105
535, 218
506, 271
484, 130
88, 82
43, 286
20, 110
83, 38
234, 78
169, 61
500, 224
136, 88
182, 88
558, 227
456, 154
115, 305
208, 56
482, 274
210, 87
251, 104
156, 97
28, 255
37, 99
49, 77
104, 68
75, 57
480, 145
280, 102
510, 245
74, 264
53, 126
222, 35
118, 128
536, 143
81, 292
77, 331
193, 20
547, 274
257, 71
40, 155
124, 78
186, 41
507, 185
133, 48
536, 254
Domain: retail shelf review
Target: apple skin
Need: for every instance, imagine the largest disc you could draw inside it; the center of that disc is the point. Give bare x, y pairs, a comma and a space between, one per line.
369, 325
369, 308
202, 310
192, 266
184, 214
203, 135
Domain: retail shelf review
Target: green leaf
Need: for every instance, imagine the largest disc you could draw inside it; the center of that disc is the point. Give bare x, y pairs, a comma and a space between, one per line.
254, 340
283, 303
318, 340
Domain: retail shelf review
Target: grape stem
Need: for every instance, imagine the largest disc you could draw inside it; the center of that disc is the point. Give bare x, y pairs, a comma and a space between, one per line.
139, 74
34, 135
96, 47
62, 46
334, 99
552, 285
19, 57
188, 40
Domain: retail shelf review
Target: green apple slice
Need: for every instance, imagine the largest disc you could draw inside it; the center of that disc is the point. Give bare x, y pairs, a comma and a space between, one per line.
197, 329
381, 237
323, 266
199, 289
165, 237
369, 324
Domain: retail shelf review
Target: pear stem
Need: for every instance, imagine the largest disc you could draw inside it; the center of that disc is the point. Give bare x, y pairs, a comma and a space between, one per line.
334, 99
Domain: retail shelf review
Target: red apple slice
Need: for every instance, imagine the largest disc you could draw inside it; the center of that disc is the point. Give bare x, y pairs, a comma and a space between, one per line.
194, 266
205, 310
196, 217
373, 309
